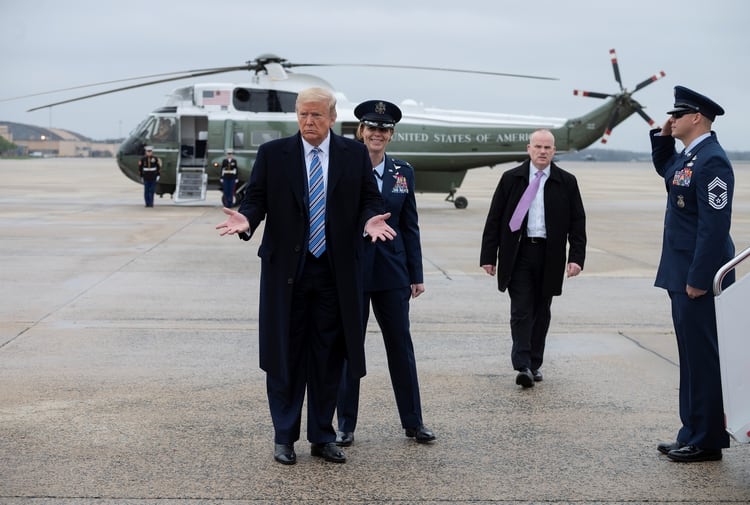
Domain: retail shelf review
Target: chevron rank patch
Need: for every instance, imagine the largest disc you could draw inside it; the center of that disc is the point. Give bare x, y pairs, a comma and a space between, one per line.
717, 194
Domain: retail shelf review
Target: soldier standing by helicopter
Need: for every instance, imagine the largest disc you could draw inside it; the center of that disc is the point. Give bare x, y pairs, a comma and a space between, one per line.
149, 168
229, 177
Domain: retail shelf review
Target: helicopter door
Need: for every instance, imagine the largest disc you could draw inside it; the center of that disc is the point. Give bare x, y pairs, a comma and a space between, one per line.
191, 164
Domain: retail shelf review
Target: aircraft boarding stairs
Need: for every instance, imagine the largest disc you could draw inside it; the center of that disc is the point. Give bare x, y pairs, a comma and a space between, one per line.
191, 173
733, 326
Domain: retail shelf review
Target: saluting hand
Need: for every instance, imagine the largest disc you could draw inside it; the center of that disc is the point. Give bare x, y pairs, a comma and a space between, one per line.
667, 128
235, 223
377, 228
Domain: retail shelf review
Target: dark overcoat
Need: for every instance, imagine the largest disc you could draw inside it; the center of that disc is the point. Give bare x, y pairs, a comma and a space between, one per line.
278, 193
565, 222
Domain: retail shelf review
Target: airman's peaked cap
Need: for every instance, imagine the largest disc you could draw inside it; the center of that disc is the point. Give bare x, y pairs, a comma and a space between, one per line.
378, 113
687, 100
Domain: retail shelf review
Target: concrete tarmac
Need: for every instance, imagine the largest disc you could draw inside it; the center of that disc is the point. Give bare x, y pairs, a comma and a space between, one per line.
129, 361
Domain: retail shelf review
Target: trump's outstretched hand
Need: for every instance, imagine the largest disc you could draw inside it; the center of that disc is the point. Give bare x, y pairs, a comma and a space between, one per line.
377, 228
235, 223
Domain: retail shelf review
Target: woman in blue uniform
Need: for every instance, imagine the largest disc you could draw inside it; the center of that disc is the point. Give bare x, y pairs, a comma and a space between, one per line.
392, 276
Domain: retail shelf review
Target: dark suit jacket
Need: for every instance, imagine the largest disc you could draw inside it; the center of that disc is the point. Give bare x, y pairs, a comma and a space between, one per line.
700, 188
565, 221
398, 262
278, 193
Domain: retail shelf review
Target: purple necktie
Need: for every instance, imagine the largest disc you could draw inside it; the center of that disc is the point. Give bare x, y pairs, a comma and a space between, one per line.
525, 202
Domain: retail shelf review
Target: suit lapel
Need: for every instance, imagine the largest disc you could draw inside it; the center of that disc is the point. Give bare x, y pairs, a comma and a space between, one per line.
297, 169
335, 166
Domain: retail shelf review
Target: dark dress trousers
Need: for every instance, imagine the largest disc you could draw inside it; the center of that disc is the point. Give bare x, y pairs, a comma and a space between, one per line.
390, 268
533, 273
310, 309
696, 243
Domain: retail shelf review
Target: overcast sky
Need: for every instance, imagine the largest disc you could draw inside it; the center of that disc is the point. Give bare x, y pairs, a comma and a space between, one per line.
53, 44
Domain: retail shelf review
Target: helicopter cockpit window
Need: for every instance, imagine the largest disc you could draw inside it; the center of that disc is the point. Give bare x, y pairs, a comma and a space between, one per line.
145, 130
264, 100
158, 129
165, 130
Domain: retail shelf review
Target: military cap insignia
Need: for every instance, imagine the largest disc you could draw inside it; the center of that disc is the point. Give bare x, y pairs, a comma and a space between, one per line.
717, 194
380, 108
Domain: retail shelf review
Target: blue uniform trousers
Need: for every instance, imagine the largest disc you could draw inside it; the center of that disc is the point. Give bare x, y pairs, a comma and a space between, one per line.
701, 405
149, 188
228, 190
391, 309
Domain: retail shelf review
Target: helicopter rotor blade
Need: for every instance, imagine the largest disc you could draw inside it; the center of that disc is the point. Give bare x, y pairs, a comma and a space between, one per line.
611, 123
592, 94
412, 67
143, 84
648, 81
639, 110
190, 73
616, 68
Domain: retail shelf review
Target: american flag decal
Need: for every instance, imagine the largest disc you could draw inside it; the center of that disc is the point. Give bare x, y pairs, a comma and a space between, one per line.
216, 97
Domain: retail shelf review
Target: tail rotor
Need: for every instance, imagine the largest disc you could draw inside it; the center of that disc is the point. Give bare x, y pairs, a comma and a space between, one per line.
623, 98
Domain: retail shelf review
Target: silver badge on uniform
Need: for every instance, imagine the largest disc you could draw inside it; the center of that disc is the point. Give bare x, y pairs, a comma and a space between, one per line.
680, 201
717, 194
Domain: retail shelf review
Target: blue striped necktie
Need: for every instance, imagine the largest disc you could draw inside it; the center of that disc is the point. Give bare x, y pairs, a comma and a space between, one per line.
317, 207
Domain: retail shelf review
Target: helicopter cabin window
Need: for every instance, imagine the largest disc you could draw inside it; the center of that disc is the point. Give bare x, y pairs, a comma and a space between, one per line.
239, 140
166, 130
264, 100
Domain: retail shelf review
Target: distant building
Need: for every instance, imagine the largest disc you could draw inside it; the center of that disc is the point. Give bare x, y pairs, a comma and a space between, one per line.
53, 142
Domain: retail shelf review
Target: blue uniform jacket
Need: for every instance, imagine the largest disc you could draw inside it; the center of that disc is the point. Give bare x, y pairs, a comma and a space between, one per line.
396, 263
700, 185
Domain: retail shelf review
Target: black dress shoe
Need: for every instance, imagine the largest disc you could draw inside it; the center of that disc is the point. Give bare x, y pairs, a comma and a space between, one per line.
537, 374
344, 438
525, 378
421, 434
284, 454
328, 451
665, 447
691, 453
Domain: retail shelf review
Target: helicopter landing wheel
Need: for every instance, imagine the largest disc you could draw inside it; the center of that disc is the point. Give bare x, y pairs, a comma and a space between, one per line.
461, 202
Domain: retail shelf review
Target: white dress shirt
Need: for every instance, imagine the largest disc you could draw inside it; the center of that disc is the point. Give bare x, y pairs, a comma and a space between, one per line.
535, 224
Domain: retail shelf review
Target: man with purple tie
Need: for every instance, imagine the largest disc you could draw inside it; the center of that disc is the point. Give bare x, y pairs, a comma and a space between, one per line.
535, 215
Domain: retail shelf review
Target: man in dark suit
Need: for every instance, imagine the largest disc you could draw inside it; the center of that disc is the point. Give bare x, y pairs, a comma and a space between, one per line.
526, 246
393, 275
311, 284
700, 187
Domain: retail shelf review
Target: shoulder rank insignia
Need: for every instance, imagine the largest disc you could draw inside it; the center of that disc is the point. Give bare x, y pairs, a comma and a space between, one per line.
717, 194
